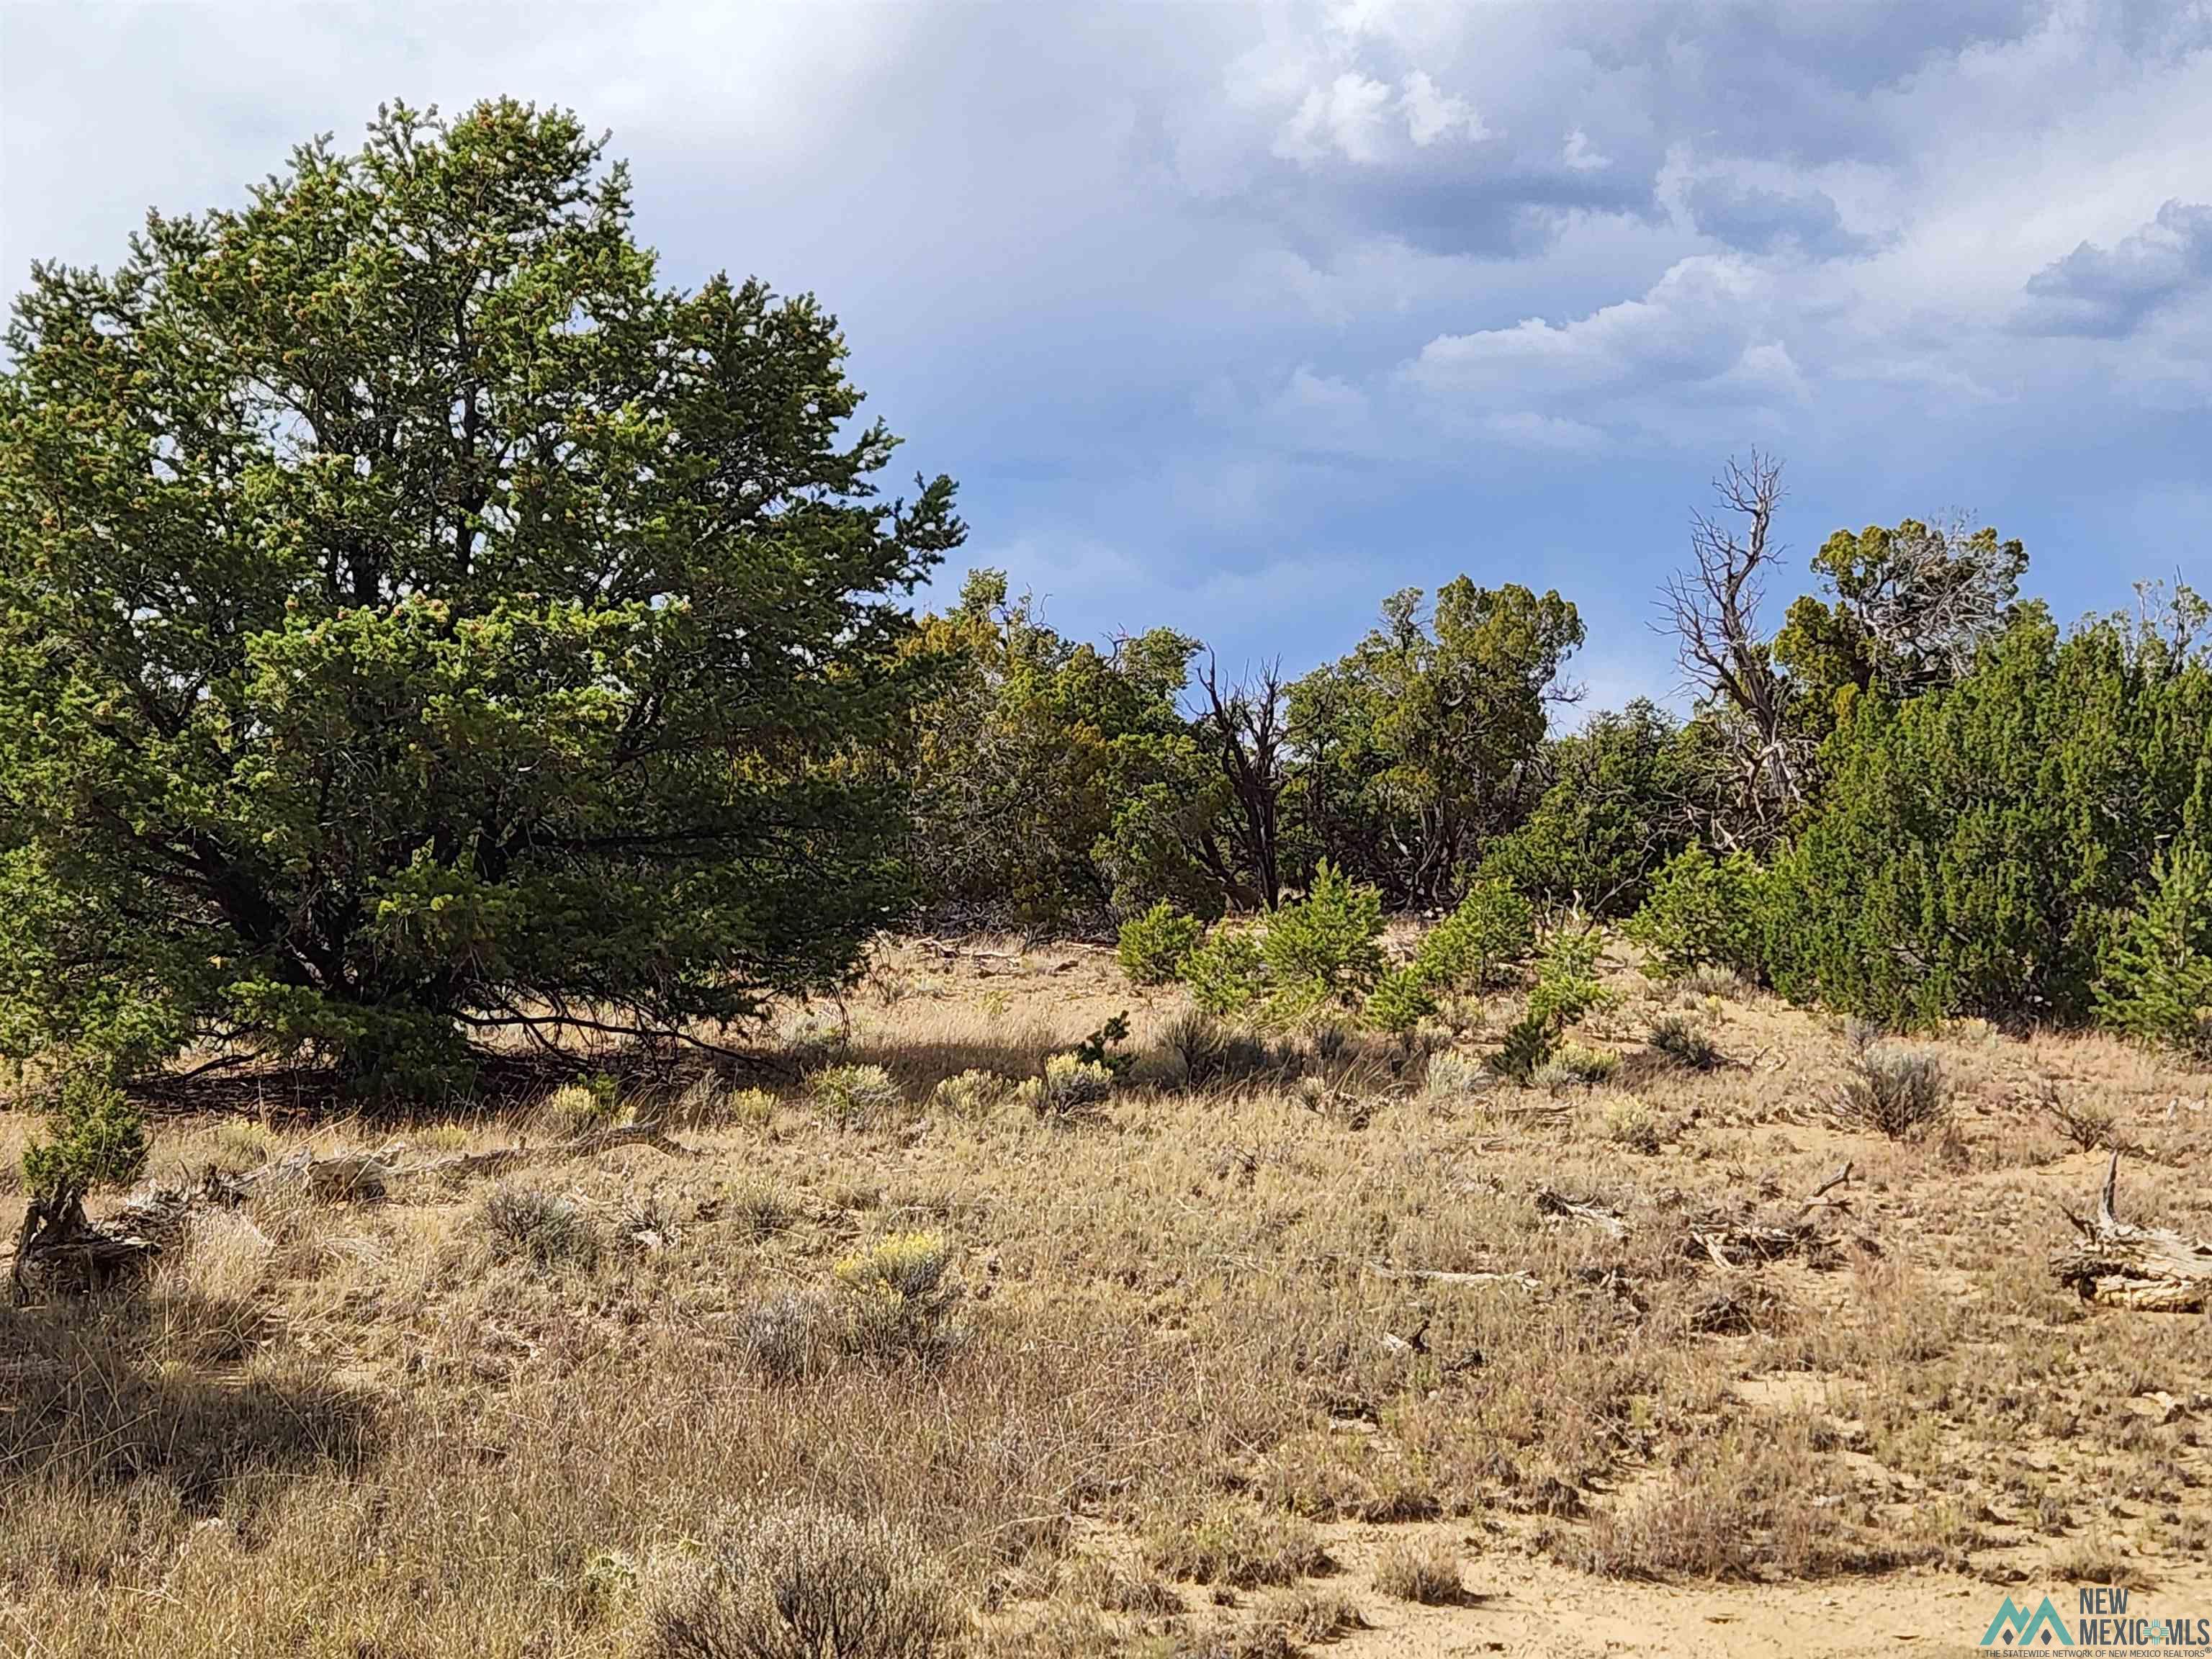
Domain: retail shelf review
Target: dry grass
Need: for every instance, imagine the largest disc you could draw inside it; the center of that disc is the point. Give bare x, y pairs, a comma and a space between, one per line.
1068, 1358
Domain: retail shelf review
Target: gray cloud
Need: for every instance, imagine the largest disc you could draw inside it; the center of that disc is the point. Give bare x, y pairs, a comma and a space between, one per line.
2108, 293
1761, 220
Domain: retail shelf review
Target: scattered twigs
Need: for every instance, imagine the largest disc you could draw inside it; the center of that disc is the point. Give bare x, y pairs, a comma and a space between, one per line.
2150, 1269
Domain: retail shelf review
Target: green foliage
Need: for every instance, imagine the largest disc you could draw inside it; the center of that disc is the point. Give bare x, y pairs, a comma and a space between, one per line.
1567, 987
1324, 949
1098, 1048
1414, 748
1226, 976
1628, 793
857, 1096
1704, 912
1528, 1043
1153, 946
1052, 782
414, 610
2157, 978
1979, 845
1476, 946
1071, 1087
1911, 609
1401, 1001
94, 1137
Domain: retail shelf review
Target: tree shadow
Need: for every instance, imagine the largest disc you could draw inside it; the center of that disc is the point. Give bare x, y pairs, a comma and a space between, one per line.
85, 1399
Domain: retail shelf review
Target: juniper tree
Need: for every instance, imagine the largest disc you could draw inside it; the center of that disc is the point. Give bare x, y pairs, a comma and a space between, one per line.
416, 617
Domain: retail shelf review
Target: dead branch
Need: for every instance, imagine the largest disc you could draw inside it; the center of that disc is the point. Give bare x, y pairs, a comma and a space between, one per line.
2150, 1269
1605, 1220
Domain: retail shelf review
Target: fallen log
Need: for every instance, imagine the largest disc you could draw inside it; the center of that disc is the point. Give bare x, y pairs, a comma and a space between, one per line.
59, 1253
2150, 1269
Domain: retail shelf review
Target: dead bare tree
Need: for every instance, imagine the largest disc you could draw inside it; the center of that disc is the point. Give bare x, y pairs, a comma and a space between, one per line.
1247, 722
1713, 611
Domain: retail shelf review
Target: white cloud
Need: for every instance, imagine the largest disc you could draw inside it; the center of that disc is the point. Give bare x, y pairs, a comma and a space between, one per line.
1432, 114
1580, 156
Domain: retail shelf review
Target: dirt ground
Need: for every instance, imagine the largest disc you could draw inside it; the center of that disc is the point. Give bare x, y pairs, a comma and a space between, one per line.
1211, 1365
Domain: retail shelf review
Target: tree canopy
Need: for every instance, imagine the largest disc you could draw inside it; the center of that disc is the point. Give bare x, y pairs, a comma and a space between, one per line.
415, 617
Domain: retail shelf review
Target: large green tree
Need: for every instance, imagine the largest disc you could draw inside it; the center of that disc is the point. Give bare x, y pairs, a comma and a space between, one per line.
1417, 747
415, 617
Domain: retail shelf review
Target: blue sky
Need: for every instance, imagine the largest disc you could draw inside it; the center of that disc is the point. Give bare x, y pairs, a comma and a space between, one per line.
1240, 318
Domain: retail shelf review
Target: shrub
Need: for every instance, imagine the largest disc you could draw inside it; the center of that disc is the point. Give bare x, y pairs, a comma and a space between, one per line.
1098, 1048
1455, 1076
2157, 978
1213, 1053
1492, 930
94, 1137
856, 1096
789, 1338
1401, 1001
1237, 1544
1898, 1090
1154, 946
1685, 1042
1071, 1087
902, 1295
1567, 986
1226, 975
1976, 848
576, 1109
909, 1265
1704, 912
802, 1582
1428, 1574
1325, 948
1528, 1043
971, 1094
543, 1228
1574, 1065
1632, 1123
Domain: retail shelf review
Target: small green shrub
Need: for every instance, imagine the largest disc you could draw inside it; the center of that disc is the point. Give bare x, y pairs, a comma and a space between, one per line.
1099, 1048
1567, 986
1704, 912
1574, 1065
1685, 1042
1528, 1043
1478, 945
856, 1096
2157, 977
1225, 975
1401, 1001
1324, 949
1154, 946
94, 1137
